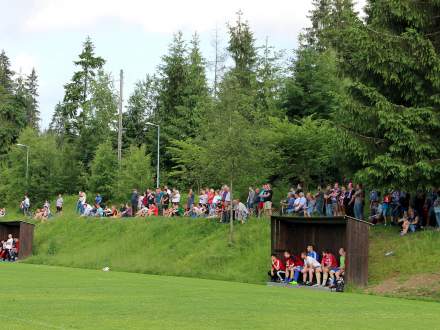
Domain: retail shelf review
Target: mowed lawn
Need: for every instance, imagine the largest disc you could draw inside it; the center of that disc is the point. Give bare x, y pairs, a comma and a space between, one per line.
45, 297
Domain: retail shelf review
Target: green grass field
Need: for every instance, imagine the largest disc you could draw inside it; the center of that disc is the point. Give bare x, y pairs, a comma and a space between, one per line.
45, 297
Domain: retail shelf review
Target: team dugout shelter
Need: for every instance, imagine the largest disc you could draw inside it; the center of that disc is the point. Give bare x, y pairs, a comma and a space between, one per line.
22, 230
325, 233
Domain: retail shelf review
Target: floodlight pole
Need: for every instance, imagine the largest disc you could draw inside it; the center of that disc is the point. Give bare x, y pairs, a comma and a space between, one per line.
27, 161
158, 153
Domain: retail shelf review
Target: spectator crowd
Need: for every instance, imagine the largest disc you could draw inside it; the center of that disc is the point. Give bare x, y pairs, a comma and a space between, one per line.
389, 207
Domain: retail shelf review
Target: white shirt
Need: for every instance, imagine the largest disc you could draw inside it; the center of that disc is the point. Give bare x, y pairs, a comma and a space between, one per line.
311, 262
242, 208
88, 209
27, 202
176, 198
9, 243
60, 202
203, 199
228, 197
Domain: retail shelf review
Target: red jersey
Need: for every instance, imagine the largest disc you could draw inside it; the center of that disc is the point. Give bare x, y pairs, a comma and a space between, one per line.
289, 262
386, 198
329, 261
278, 265
210, 197
298, 261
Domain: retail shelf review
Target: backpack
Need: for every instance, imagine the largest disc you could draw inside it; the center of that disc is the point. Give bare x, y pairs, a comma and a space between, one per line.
340, 285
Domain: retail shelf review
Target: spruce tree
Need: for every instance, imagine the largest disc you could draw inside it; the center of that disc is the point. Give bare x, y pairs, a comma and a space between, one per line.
12, 105
243, 51
391, 110
77, 92
32, 111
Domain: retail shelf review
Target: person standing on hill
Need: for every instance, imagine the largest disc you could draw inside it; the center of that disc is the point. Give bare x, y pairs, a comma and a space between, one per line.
358, 198
134, 201
250, 198
59, 203
98, 199
268, 199
348, 200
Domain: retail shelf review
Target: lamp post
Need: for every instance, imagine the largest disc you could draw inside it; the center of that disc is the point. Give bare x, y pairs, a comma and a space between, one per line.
27, 160
158, 151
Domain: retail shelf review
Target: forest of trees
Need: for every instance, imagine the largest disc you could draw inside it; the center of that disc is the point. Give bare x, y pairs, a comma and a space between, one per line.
359, 98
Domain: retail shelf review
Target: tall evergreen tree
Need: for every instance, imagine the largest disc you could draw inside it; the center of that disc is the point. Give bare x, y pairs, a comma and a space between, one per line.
77, 92
182, 91
12, 105
270, 80
142, 104
6, 73
391, 111
243, 51
32, 111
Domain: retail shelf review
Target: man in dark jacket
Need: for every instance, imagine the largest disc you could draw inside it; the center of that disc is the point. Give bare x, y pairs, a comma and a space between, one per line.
134, 201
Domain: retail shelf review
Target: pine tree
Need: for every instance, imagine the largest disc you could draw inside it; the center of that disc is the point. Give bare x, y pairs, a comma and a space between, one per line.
390, 112
32, 111
182, 92
270, 80
12, 105
77, 92
6, 73
142, 104
243, 51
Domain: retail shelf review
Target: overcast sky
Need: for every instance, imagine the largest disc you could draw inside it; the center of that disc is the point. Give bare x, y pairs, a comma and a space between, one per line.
131, 34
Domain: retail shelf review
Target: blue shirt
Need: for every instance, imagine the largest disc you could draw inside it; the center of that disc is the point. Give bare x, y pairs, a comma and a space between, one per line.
98, 199
313, 254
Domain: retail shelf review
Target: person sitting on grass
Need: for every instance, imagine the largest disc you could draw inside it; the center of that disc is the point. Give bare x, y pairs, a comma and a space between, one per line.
2, 212
409, 222
88, 210
241, 211
338, 271
290, 269
153, 210
311, 266
278, 269
99, 211
128, 211
198, 211
327, 264
142, 212
107, 212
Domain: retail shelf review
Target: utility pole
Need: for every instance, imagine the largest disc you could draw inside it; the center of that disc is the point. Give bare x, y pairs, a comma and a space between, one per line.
121, 87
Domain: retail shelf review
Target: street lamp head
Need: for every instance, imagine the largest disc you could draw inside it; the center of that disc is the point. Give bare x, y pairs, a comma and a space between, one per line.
152, 124
21, 145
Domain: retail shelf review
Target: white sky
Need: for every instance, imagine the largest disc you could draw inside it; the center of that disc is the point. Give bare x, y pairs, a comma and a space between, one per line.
129, 34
